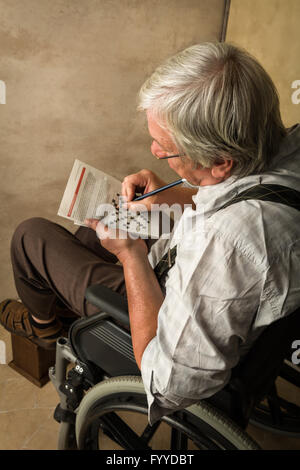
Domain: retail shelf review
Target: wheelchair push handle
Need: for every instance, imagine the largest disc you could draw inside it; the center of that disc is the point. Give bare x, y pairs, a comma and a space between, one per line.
109, 302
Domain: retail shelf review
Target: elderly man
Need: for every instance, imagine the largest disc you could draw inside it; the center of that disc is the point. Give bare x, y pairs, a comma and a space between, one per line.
213, 114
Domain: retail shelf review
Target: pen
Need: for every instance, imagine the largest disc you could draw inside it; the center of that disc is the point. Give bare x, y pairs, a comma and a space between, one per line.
158, 190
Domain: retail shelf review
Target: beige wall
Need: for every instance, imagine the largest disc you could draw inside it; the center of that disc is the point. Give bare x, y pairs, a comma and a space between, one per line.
72, 69
270, 30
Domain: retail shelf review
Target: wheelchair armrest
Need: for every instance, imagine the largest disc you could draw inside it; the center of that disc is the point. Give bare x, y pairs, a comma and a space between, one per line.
109, 302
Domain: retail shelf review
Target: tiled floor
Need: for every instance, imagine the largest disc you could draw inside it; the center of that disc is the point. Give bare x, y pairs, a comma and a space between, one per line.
26, 413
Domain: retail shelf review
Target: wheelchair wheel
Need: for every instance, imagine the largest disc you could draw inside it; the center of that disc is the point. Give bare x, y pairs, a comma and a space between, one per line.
116, 410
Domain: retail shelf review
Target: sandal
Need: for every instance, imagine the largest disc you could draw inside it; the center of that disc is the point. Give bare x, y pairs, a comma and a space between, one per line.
16, 319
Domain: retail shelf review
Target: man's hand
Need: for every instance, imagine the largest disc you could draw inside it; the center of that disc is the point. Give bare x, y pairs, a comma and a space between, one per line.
145, 181
116, 241
142, 182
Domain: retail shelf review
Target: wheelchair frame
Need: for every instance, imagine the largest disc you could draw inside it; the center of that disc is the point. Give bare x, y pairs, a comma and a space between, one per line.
105, 381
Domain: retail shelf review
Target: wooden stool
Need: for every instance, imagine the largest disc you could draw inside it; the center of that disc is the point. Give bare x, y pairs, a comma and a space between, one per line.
30, 360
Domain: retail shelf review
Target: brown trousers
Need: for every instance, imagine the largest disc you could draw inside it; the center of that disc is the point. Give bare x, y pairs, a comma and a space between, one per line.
51, 265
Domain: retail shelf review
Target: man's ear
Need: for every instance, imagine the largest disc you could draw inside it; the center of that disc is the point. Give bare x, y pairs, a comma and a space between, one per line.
222, 168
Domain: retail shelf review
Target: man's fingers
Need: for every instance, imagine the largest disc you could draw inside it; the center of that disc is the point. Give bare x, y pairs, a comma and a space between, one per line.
135, 182
127, 190
91, 223
102, 230
138, 206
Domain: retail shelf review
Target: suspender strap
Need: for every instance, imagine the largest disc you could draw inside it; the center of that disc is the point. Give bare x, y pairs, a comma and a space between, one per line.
268, 192
166, 263
263, 192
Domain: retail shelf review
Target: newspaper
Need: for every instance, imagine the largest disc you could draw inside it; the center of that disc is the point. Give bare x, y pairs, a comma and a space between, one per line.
92, 194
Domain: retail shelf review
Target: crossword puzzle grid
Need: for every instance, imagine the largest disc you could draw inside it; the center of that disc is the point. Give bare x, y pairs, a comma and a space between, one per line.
127, 220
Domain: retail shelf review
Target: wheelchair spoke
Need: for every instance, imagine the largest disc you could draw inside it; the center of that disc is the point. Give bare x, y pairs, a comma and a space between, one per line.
178, 440
290, 373
149, 431
291, 408
117, 429
288, 423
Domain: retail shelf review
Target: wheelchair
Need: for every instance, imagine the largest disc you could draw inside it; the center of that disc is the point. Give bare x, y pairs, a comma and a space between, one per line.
103, 402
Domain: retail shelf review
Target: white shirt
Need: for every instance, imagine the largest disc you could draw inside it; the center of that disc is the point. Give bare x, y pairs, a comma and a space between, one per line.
232, 277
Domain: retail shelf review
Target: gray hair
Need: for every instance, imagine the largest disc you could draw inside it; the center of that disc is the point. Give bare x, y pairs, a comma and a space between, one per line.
217, 101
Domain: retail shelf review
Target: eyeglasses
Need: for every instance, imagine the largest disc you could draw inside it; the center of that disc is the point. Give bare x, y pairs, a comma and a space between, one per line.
171, 156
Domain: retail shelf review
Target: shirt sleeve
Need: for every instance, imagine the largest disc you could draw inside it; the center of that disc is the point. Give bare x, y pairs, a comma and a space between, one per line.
211, 299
